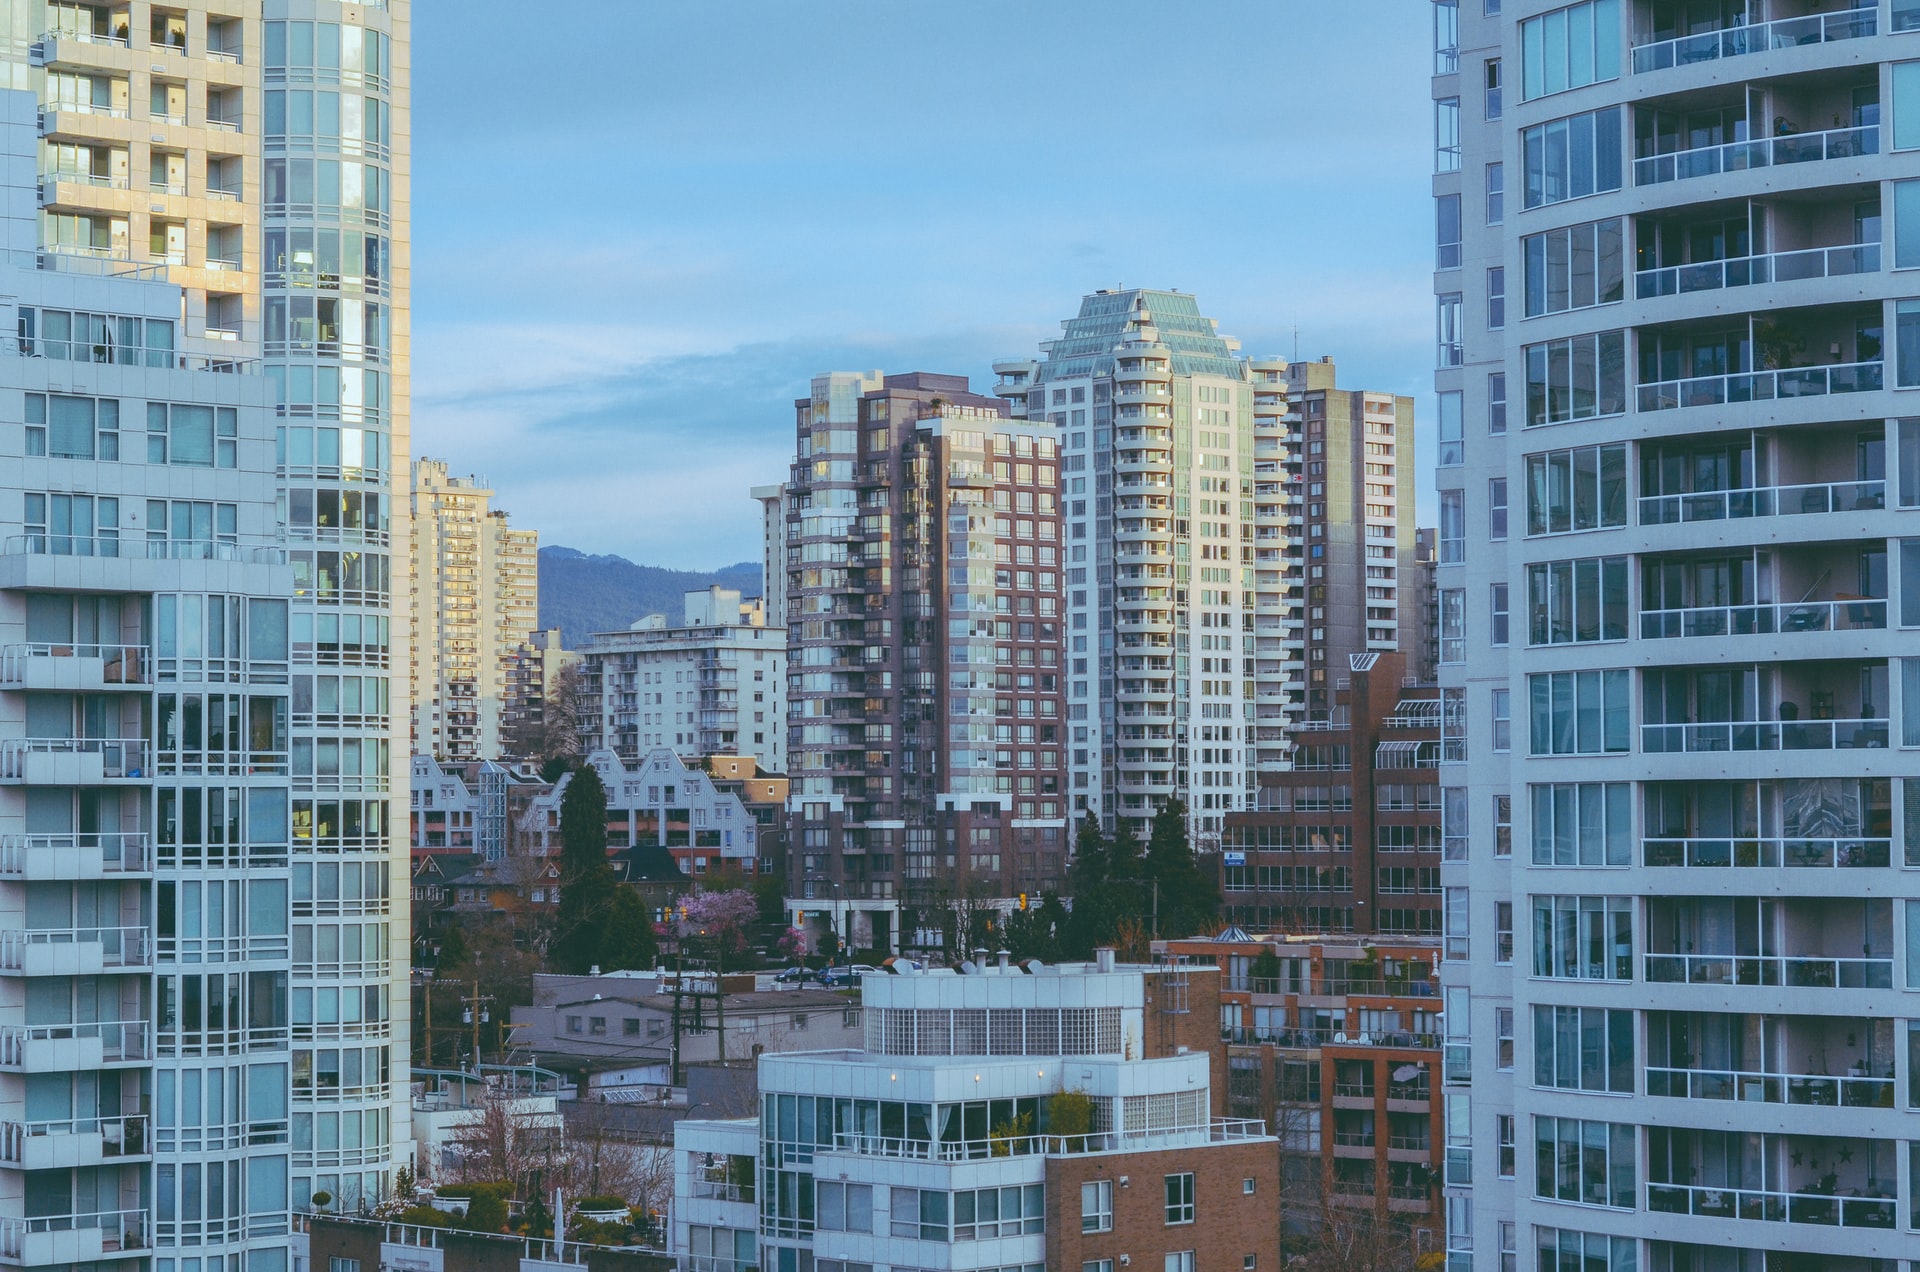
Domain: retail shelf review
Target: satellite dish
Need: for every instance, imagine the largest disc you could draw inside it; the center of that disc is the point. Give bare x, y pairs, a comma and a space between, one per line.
1406, 1073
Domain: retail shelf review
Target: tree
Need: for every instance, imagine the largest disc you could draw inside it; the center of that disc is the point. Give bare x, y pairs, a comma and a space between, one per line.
601, 922
1188, 901
561, 720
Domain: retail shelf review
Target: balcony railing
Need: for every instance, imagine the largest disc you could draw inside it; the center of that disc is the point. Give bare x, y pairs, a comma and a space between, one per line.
1773, 1207
1765, 735
119, 757
1763, 386
1795, 972
1748, 271
1856, 1090
1764, 152
63, 1238
1218, 1130
121, 664
139, 549
120, 946
120, 1040
1763, 501
1814, 28
1281, 1036
120, 1136
1768, 854
120, 852
1863, 614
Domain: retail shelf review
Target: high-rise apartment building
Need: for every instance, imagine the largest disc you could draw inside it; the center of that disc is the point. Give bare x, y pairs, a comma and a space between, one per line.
1682, 999
926, 719
475, 595
1154, 412
773, 552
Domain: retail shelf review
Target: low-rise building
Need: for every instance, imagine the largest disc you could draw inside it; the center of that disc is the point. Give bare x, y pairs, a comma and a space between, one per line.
1021, 1118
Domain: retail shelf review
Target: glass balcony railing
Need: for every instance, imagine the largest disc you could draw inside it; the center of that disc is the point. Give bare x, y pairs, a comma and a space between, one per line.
1856, 1090
1763, 386
1709, 46
1762, 501
1797, 972
1775, 1207
1864, 614
1765, 735
1749, 271
1763, 152
1767, 854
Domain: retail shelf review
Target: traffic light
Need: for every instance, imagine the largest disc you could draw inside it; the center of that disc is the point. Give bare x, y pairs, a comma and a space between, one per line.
1023, 900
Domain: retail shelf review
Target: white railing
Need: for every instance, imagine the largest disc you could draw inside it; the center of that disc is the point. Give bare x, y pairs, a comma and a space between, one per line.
139, 549
1814, 28
1763, 501
119, 757
119, 1230
84, 108
100, 179
120, 1136
1217, 1130
1763, 386
86, 37
1856, 1090
1748, 271
122, 853
123, 664
1794, 972
119, 1039
1764, 152
1773, 1207
120, 946
1864, 614
1765, 735
1757, 853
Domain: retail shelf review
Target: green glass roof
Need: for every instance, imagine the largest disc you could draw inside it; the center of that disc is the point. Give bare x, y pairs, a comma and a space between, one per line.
1106, 318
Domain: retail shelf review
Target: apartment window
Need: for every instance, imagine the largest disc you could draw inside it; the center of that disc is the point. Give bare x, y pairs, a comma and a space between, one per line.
1497, 403
1906, 342
1446, 235
1906, 105
1581, 378
1906, 15
1447, 317
842, 1207
1910, 582
1580, 713
1583, 1049
1584, 488
1571, 158
1497, 508
1179, 1261
1490, 77
1560, 1248
1570, 48
1459, 1123
1503, 931
1510, 1246
1507, 1138
1453, 527
1582, 823
1496, 193
1503, 1038
1574, 602
1097, 1265
1496, 298
1583, 938
1180, 1198
1906, 224
1590, 1163
1503, 825
1453, 445
196, 436
1498, 618
1453, 823
1446, 36
72, 427
1446, 135
1503, 720
1453, 625
1908, 460
1096, 1206
1457, 922
1575, 267
1453, 726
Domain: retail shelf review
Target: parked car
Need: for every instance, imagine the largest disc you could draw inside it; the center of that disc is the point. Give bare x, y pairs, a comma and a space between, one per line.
846, 977
797, 976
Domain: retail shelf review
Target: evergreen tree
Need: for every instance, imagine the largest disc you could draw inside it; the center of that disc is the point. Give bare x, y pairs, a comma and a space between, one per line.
600, 922
1189, 903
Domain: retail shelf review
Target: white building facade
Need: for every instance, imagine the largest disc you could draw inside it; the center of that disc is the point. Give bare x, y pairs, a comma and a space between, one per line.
1676, 591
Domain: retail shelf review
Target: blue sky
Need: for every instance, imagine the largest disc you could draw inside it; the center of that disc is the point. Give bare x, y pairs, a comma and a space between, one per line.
640, 229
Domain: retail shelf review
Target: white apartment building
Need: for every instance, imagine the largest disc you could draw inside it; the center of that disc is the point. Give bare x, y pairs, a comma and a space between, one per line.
773, 552
1155, 411
941, 1143
205, 188
475, 596
714, 685
1678, 576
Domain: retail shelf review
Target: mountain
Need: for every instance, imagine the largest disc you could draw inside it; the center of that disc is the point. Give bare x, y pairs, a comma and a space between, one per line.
582, 594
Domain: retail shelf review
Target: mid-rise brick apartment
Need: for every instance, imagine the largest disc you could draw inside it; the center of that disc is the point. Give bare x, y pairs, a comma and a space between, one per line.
1349, 838
950, 1129
921, 557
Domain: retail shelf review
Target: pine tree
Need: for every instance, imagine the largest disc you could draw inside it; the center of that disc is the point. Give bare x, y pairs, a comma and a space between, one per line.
600, 922
1188, 901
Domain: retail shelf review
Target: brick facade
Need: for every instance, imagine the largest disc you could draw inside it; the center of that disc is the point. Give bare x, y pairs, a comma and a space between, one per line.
1230, 1223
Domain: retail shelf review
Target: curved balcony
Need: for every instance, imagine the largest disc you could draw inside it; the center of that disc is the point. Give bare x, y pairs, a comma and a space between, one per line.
1850, 853
1764, 152
1794, 972
1763, 386
1851, 615
1763, 501
1749, 271
1876, 1211
1766, 735
1760, 37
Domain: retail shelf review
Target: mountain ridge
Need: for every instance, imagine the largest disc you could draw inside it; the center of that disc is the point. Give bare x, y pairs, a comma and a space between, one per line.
582, 593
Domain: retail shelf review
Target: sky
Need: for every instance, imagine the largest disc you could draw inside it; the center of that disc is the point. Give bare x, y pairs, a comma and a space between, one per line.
638, 233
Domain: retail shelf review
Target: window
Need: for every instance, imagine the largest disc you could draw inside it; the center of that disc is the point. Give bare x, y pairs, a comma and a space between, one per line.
1453, 823
1453, 527
1909, 582
1246, 1186
1497, 403
1576, 267
1497, 509
196, 436
1906, 105
1496, 193
1453, 725
1503, 825
1097, 1265
1503, 720
918, 1212
1457, 924
1506, 1134
1446, 36
1579, 489
1582, 377
1447, 317
1503, 932
1180, 1198
1574, 602
982, 1214
1906, 224
1490, 77
1906, 15
1096, 1206
1591, 1163
1503, 1038
1906, 342
841, 1207
1459, 1123
1908, 460
1571, 158
1583, 1049
1560, 1248
1582, 823
1583, 938
1453, 625
1498, 615
1180, 1261
1580, 713
1446, 135
1452, 440
1570, 48
72, 427
1446, 213
1496, 298
335, 1263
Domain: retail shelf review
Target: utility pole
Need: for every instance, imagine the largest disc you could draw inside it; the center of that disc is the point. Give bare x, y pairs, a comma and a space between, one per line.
476, 1014
427, 992
1156, 910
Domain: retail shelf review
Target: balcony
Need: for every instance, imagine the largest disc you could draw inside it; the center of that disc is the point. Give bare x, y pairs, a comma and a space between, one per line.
1759, 708
1830, 1180
139, 550
1802, 943
73, 1048
1763, 386
54, 1240
1830, 1061
1748, 271
72, 1143
1801, 823
1763, 501
1765, 152
73, 855
1761, 37
74, 951
72, 761
74, 668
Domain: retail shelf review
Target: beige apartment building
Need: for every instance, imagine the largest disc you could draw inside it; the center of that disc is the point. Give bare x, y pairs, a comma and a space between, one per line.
475, 594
